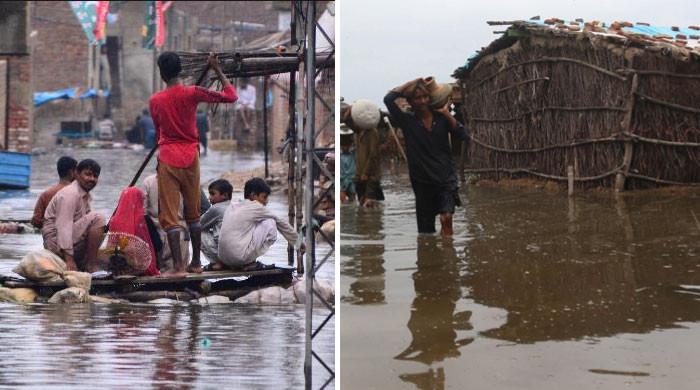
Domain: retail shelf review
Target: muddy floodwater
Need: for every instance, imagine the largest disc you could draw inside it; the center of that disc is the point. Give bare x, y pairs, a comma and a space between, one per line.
535, 291
145, 345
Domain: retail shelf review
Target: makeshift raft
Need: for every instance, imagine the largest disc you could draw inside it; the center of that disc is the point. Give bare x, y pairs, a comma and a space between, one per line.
193, 286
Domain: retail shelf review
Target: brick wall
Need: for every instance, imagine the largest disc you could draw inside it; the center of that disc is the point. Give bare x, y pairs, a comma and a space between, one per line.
19, 103
60, 60
17, 90
60, 47
221, 13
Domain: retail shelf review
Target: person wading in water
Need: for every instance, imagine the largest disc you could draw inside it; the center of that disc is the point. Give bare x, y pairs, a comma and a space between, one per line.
427, 133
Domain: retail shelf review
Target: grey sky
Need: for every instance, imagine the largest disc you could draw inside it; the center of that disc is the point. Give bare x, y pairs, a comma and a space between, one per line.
386, 42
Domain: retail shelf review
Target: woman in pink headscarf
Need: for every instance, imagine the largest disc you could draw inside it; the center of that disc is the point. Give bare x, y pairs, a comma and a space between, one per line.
129, 218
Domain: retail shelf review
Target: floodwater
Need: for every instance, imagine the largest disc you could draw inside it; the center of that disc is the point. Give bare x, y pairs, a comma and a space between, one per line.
535, 291
144, 345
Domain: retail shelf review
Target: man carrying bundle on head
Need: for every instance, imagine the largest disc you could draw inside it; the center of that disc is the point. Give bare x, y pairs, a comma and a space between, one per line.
427, 133
174, 113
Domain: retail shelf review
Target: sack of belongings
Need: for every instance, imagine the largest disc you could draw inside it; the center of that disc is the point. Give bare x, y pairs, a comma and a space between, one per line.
294, 294
70, 295
41, 266
45, 266
17, 295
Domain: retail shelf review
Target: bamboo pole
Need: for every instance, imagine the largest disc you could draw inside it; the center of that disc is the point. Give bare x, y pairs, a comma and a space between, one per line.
549, 108
396, 138
668, 104
626, 127
570, 177
553, 59
519, 83
656, 141
543, 175
660, 73
613, 138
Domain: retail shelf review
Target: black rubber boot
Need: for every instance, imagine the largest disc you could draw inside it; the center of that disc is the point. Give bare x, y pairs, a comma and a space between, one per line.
196, 239
176, 253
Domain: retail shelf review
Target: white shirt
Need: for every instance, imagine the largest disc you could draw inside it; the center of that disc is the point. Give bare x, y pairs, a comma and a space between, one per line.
246, 97
237, 246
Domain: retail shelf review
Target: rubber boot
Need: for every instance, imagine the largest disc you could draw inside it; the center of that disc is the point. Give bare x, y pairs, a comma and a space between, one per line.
176, 253
196, 239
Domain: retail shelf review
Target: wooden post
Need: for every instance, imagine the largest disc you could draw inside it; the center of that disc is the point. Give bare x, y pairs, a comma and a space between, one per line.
626, 126
570, 176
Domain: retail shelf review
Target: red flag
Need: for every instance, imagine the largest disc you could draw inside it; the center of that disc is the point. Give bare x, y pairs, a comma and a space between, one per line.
160, 24
101, 24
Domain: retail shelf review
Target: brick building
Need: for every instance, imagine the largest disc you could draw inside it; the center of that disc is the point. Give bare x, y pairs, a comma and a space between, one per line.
15, 78
62, 57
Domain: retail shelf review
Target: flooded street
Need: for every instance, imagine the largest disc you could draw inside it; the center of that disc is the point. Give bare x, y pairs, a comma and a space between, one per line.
535, 291
145, 345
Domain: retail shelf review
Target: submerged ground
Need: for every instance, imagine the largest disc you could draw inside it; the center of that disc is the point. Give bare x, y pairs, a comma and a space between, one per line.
535, 291
150, 346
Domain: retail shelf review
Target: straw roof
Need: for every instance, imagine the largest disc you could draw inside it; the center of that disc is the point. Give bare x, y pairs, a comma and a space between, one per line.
682, 43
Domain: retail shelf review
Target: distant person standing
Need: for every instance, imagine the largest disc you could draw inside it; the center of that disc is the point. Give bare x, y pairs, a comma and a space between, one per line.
203, 128
363, 117
174, 113
347, 165
427, 131
148, 129
245, 109
106, 129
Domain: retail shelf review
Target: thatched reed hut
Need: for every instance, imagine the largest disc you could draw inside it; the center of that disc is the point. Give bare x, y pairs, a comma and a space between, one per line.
618, 105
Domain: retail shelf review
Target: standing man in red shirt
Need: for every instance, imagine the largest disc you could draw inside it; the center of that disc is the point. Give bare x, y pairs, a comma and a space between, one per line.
174, 113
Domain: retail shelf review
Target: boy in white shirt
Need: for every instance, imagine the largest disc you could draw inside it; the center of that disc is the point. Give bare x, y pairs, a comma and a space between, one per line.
249, 229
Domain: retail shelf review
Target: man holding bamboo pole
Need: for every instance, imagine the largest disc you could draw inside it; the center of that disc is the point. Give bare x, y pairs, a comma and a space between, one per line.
174, 115
427, 133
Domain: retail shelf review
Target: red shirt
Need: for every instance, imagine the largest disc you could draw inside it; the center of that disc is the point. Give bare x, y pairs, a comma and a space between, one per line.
174, 113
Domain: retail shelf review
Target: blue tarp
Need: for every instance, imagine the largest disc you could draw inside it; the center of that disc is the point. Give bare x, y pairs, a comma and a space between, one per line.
69, 93
43, 97
639, 29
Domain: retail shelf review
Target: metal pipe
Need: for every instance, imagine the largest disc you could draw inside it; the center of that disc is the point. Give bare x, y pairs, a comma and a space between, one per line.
265, 128
299, 171
291, 135
309, 195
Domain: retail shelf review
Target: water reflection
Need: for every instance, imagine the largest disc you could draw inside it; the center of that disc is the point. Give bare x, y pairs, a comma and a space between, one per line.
614, 267
366, 261
170, 367
145, 346
434, 322
584, 282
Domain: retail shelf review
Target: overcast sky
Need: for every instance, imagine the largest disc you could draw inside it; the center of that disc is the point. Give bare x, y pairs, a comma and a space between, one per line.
386, 42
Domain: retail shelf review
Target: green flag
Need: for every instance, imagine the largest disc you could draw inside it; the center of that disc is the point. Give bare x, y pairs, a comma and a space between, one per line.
86, 12
149, 25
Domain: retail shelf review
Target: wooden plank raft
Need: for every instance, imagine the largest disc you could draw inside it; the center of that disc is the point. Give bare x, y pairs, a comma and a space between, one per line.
214, 282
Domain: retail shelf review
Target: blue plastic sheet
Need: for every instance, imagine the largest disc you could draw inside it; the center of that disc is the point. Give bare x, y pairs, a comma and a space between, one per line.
41, 98
45, 97
639, 29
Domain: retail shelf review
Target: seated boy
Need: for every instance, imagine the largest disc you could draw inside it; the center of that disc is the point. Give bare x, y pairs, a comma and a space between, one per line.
220, 193
249, 229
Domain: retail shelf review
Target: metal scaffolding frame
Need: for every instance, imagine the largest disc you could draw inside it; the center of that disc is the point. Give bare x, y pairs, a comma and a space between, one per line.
301, 152
304, 20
